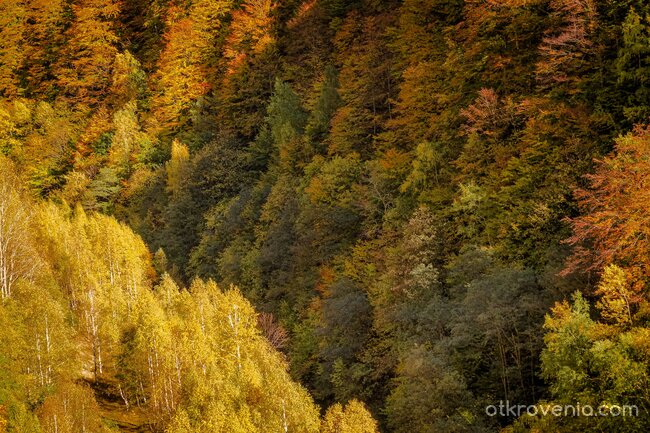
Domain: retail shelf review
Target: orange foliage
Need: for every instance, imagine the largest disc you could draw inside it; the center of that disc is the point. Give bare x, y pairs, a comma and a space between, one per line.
86, 65
3, 419
45, 24
394, 159
302, 12
249, 32
615, 225
416, 109
186, 63
327, 276
12, 29
315, 190
562, 51
180, 79
365, 83
99, 123
512, 3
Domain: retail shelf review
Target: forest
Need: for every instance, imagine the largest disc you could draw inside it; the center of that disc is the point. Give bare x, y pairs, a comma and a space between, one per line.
323, 216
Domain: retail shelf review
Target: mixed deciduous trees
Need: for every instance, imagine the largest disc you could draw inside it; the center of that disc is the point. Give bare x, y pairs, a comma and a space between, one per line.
12, 30
389, 182
195, 359
613, 226
601, 364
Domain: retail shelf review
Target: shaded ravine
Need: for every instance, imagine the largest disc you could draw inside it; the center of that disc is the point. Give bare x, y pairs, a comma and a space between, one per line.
114, 410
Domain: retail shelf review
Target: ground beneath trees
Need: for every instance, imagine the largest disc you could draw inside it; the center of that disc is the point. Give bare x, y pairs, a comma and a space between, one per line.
114, 410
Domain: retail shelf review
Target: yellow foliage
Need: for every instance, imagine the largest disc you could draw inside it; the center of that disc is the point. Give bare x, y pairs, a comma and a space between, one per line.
3, 419
177, 167
85, 67
353, 418
249, 32
615, 296
12, 29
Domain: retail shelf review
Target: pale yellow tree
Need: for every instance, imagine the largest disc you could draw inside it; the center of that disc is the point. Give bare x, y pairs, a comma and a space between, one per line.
18, 257
103, 267
127, 137
177, 167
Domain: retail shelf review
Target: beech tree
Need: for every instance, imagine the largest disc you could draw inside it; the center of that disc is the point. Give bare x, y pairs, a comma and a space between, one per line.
187, 62
614, 226
365, 84
564, 51
177, 167
181, 80
249, 32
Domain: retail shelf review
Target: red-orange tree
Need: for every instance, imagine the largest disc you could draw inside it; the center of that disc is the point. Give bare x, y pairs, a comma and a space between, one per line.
615, 224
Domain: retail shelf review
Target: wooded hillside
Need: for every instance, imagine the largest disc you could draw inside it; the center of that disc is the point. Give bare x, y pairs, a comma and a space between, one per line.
323, 215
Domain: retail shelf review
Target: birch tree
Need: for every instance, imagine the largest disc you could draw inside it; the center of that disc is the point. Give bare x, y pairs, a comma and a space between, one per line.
17, 258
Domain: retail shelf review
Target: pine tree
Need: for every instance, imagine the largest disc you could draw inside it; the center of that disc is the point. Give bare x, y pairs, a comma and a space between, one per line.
286, 119
633, 66
321, 114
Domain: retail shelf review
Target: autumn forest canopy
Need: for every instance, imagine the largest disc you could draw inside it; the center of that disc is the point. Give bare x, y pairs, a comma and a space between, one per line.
323, 216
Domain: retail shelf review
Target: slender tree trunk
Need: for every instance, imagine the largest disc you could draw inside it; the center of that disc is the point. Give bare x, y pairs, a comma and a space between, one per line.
234, 320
